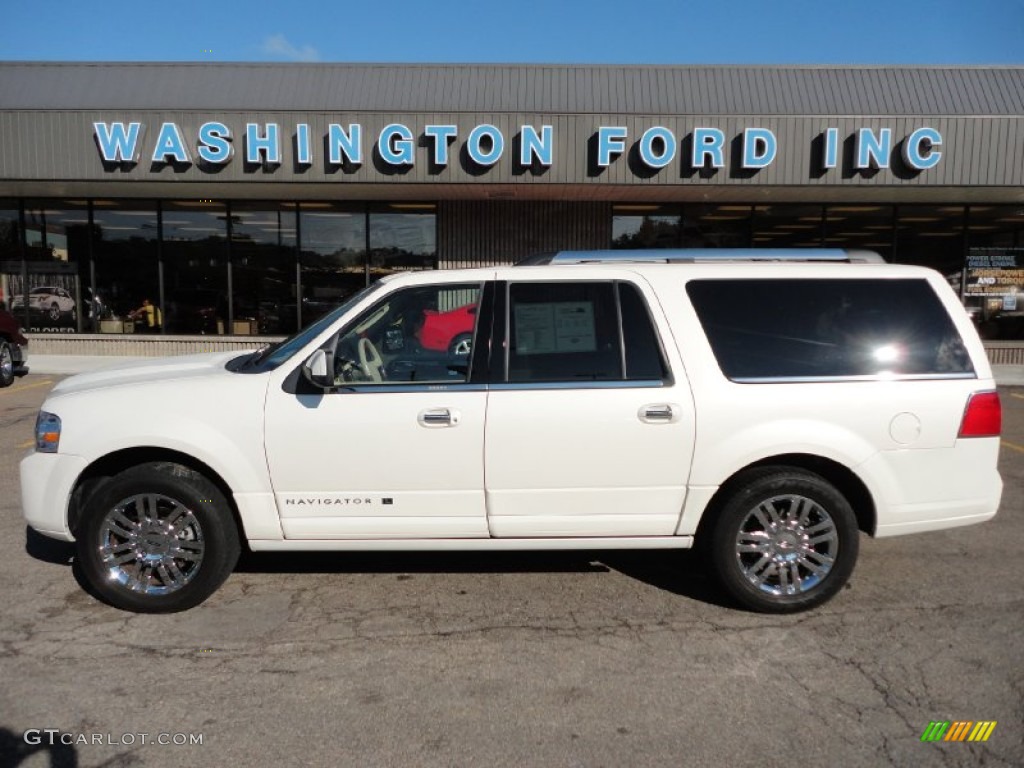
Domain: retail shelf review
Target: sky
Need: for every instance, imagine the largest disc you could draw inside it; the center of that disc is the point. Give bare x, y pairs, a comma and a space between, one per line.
956, 32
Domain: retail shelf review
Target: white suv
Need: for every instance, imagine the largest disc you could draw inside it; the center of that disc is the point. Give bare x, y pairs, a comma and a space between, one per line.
764, 405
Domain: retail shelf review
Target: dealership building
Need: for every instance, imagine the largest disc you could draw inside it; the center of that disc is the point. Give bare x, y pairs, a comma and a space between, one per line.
194, 200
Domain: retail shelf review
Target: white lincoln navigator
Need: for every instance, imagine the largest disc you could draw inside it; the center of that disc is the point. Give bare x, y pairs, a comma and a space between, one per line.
765, 406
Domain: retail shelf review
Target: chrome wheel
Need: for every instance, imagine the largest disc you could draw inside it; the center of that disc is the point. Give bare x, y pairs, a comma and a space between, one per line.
786, 545
151, 544
783, 539
462, 345
6, 365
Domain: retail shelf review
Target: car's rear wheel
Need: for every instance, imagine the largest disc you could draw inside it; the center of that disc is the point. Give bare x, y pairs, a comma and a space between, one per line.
784, 540
6, 365
157, 538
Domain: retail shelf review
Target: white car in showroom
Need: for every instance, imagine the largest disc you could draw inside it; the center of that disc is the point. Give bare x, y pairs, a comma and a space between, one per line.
49, 301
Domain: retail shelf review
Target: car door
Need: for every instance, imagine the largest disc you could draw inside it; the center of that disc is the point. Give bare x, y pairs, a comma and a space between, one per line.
591, 431
395, 450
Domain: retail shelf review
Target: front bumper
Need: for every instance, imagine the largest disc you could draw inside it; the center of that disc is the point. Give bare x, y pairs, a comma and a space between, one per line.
47, 480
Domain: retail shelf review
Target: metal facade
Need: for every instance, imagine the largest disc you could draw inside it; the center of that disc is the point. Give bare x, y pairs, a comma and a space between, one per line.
47, 112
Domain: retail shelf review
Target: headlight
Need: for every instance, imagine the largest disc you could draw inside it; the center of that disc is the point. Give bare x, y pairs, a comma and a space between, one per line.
47, 432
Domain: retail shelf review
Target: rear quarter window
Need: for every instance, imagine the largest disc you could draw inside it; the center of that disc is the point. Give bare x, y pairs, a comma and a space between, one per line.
794, 329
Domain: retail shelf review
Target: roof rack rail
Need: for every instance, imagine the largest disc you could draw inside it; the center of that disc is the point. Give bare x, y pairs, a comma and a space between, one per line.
703, 255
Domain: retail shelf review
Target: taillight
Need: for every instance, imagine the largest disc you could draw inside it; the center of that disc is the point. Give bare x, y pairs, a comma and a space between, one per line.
983, 416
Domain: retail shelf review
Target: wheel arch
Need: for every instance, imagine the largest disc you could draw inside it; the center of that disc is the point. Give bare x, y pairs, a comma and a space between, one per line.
106, 467
845, 480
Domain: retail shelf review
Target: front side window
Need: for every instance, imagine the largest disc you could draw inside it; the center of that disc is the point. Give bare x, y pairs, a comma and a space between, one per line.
417, 335
581, 332
763, 330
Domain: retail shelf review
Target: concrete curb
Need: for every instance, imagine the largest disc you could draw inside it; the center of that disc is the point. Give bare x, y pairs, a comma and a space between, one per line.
63, 365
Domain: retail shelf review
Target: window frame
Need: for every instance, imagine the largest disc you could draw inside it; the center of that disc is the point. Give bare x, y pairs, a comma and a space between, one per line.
500, 354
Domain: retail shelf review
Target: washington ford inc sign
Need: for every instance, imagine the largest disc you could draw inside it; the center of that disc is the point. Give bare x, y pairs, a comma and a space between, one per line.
397, 145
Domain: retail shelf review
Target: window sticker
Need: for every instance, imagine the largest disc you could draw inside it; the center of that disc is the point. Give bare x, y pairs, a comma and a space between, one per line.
553, 327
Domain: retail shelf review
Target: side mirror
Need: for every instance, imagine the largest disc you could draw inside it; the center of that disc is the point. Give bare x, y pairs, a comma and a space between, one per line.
319, 369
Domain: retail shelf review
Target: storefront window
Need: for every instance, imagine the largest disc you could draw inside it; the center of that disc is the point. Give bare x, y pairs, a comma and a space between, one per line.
716, 226
125, 266
933, 236
646, 226
10, 248
403, 237
195, 267
868, 227
787, 226
994, 280
333, 256
57, 261
263, 254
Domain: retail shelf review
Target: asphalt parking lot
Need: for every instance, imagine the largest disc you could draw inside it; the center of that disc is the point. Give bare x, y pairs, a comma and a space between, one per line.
558, 659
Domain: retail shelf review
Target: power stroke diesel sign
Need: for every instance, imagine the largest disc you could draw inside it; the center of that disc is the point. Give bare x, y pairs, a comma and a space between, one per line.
266, 146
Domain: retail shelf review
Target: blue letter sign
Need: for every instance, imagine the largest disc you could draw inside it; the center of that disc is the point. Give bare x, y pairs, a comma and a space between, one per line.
118, 144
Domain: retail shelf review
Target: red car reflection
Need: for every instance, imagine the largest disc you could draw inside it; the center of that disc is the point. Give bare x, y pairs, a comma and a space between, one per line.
450, 331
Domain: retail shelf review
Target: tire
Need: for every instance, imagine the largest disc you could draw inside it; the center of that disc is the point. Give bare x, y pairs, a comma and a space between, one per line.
133, 563
461, 345
784, 540
54, 313
6, 365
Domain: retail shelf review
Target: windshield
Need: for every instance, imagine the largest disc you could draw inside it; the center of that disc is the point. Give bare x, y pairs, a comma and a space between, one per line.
271, 358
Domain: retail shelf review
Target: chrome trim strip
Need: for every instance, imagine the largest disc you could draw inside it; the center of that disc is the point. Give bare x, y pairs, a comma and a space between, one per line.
838, 379
540, 385
367, 389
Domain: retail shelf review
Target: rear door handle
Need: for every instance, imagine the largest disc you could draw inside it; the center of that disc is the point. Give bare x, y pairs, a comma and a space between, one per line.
659, 413
439, 417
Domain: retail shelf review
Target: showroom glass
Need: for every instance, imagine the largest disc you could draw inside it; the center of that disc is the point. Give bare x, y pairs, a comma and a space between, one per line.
787, 226
10, 248
416, 335
125, 254
995, 254
827, 328
716, 226
932, 236
195, 267
646, 226
57, 264
868, 227
571, 333
403, 237
333, 256
263, 252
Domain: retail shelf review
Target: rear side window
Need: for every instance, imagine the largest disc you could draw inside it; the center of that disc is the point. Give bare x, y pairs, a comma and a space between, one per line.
792, 329
580, 332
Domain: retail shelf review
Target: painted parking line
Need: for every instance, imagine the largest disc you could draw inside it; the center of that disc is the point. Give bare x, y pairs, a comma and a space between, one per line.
1018, 396
1013, 446
27, 444
43, 383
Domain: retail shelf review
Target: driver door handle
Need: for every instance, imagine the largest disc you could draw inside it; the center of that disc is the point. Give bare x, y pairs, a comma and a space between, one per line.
439, 417
659, 413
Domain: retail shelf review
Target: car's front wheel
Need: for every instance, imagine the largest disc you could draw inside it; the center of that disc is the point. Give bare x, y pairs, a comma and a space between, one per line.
157, 538
6, 365
784, 540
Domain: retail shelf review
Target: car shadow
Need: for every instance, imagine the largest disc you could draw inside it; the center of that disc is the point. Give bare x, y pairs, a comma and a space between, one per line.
679, 572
